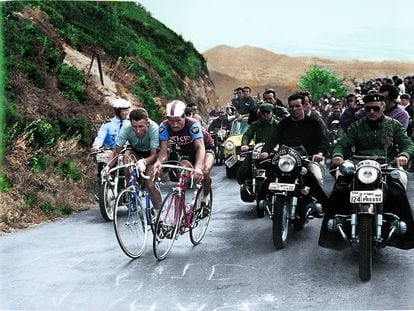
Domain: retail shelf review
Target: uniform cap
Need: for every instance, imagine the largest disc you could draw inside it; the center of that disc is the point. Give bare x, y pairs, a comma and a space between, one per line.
176, 108
266, 107
373, 97
121, 103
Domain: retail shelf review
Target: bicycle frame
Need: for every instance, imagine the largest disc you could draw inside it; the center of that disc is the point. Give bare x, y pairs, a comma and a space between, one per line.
180, 191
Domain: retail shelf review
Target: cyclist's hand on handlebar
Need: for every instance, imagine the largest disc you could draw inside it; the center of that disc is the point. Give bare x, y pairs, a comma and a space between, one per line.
198, 174
401, 161
141, 165
244, 148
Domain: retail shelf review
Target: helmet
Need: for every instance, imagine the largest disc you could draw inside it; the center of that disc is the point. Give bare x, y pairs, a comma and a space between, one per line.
121, 103
176, 108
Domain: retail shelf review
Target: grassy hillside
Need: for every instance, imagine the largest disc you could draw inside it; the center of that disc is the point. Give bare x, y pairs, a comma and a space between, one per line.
53, 109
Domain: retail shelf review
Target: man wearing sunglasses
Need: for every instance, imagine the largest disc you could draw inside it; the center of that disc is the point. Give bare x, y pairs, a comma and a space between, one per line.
260, 130
374, 135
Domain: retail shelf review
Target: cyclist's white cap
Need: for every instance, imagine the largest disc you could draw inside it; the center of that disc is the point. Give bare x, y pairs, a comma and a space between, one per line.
121, 103
176, 108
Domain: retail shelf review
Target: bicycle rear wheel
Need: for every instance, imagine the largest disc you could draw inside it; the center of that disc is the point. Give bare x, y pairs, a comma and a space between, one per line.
130, 223
166, 225
201, 216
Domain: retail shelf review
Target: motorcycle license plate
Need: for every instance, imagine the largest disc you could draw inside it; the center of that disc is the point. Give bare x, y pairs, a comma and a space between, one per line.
230, 161
281, 186
374, 196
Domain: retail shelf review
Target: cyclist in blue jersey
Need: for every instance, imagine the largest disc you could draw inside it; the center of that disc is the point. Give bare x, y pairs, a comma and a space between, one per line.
194, 143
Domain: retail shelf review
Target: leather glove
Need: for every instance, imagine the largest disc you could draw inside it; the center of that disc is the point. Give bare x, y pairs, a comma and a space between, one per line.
141, 165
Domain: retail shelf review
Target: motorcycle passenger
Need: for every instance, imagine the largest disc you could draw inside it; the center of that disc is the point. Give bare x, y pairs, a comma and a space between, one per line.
245, 104
190, 137
260, 131
374, 135
143, 137
349, 115
301, 130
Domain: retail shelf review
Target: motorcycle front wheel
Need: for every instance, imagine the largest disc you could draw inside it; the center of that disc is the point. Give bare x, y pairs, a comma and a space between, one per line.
365, 246
280, 222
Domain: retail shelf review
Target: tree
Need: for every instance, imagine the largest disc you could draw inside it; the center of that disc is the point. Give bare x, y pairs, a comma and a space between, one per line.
322, 81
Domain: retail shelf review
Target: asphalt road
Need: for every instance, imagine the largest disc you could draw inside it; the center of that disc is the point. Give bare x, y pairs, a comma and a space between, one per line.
76, 264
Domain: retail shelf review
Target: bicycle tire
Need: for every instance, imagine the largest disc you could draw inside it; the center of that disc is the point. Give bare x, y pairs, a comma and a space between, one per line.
166, 225
107, 199
130, 223
200, 218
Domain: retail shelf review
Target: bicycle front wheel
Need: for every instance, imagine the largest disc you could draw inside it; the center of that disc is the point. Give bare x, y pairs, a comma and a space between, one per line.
166, 225
130, 223
107, 197
201, 216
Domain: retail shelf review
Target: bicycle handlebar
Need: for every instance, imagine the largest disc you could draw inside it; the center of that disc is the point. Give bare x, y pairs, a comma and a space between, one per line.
128, 165
180, 167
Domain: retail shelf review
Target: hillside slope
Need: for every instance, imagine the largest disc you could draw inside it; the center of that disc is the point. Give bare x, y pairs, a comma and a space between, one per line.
260, 68
54, 104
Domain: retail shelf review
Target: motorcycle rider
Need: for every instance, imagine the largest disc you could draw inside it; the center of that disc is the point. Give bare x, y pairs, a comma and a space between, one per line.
379, 135
142, 136
222, 122
279, 110
260, 131
108, 131
296, 130
195, 144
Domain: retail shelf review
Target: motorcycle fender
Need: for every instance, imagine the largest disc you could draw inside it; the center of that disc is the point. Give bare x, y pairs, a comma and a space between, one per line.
366, 209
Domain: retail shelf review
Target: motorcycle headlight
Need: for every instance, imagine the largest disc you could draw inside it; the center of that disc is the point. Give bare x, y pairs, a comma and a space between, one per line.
367, 175
286, 163
347, 168
229, 146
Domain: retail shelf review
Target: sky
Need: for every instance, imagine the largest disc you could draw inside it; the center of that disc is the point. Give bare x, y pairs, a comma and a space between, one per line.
336, 29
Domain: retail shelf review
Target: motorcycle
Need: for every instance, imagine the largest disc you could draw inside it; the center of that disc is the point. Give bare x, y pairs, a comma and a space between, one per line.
367, 225
219, 138
288, 201
249, 190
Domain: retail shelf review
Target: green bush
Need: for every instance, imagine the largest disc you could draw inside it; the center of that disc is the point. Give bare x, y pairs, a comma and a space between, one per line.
39, 163
71, 82
148, 102
69, 170
30, 200
76, 126
63, 210
322, 81
5, 184
43, 133
48, 208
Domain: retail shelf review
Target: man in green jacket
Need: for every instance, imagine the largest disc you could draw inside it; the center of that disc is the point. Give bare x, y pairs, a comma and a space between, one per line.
260, 131
373, 135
